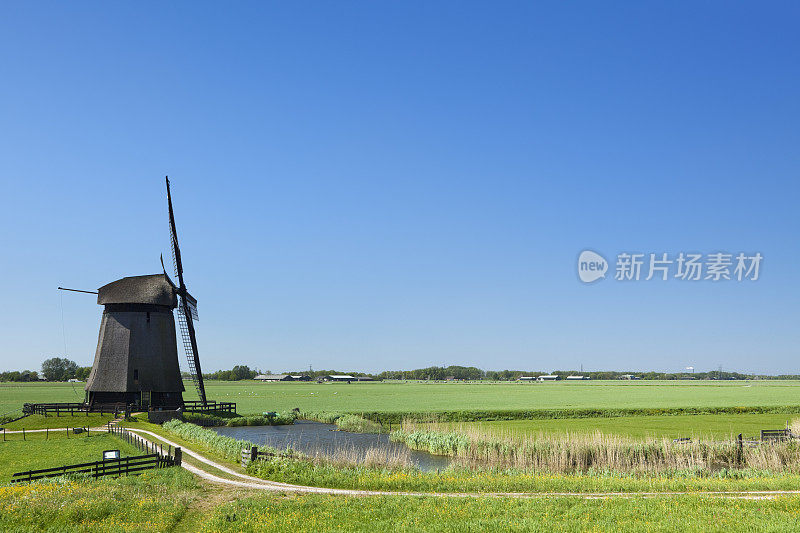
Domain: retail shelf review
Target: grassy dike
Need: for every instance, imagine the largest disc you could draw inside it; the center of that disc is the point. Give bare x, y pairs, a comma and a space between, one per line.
173, 500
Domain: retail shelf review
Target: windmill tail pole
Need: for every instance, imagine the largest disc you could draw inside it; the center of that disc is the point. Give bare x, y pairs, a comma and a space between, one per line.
76, 290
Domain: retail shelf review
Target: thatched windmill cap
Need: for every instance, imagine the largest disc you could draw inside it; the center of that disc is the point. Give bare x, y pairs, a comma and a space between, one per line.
154, 289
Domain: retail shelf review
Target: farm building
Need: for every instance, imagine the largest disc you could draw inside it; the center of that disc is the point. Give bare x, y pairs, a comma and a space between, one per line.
629, 376
548, 378
526, 378
578, 378
301, 378
273, 377
340, 377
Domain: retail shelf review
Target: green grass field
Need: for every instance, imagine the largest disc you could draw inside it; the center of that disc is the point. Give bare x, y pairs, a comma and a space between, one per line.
91, 420
35, 452
171, 500
155, 501
326, 513
254, 397
721, 426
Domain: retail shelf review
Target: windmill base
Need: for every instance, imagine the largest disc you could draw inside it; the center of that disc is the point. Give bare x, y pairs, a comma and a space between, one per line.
143, 401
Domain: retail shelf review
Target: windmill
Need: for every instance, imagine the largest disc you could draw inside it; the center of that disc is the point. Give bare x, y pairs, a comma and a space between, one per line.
187, 307
136, 361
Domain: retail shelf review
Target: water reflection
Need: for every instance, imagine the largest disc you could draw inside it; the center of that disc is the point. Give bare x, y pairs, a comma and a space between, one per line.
315, 437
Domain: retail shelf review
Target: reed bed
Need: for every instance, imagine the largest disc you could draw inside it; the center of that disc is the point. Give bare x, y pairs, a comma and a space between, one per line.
345, 421
582, 453
390, 457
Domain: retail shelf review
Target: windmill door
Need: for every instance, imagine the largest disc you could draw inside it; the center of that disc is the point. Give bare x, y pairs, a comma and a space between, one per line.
145, 401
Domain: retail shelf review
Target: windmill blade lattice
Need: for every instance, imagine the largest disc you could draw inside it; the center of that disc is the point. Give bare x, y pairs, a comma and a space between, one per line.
187, 310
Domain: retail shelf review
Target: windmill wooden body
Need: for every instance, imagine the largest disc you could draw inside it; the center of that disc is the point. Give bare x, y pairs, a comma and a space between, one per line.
136, 362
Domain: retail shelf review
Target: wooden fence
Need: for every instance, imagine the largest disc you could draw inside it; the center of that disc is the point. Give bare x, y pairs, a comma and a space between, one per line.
58, 409
775, 434
251, 454
143, 445
208, 407
154, 457
117, 408
47, 431
106, 467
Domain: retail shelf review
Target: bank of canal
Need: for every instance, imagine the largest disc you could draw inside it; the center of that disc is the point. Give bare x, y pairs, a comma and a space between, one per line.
316, 437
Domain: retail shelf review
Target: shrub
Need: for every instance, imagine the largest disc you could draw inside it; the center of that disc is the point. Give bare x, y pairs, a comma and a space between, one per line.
326, 417
356, 424
346, 421
205, 420
277, 419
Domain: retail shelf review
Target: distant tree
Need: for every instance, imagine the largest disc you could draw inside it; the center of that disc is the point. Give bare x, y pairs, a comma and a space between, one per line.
27, 375
59, 369
238, 372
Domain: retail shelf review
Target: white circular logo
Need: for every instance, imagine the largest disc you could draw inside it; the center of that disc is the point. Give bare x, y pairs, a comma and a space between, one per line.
591, 266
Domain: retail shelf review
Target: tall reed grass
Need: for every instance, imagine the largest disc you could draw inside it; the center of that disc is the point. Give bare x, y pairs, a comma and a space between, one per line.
391, 457
345, 421
580, 453
227, 447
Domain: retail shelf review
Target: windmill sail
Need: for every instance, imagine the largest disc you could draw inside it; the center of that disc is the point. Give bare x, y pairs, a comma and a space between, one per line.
187, 309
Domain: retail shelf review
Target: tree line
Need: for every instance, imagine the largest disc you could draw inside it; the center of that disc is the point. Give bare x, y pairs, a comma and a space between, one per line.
237, 373
471, 373
53, 369
62, 369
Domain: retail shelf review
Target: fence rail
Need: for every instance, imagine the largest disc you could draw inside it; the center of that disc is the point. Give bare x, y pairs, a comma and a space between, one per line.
154, 457
144, 445
253, 453
71, 408
59, 409
208, 406
106, 467
775, 434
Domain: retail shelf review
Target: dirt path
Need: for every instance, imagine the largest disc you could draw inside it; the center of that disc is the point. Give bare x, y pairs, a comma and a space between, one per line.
250, 482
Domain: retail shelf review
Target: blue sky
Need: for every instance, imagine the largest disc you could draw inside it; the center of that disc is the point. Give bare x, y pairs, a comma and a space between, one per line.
379, 186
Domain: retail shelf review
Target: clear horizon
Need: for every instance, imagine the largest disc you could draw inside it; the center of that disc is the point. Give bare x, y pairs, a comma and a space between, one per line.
383, 186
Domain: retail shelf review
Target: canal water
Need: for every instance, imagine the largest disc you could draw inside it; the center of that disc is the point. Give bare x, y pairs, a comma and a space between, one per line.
317, 438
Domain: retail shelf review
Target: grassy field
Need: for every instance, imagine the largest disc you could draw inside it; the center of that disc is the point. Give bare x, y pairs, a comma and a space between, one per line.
388, 397
13, 395
432, 397
91, 420
706, 426
255, 397
325, 513
155, 501
172, 500
35, 452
